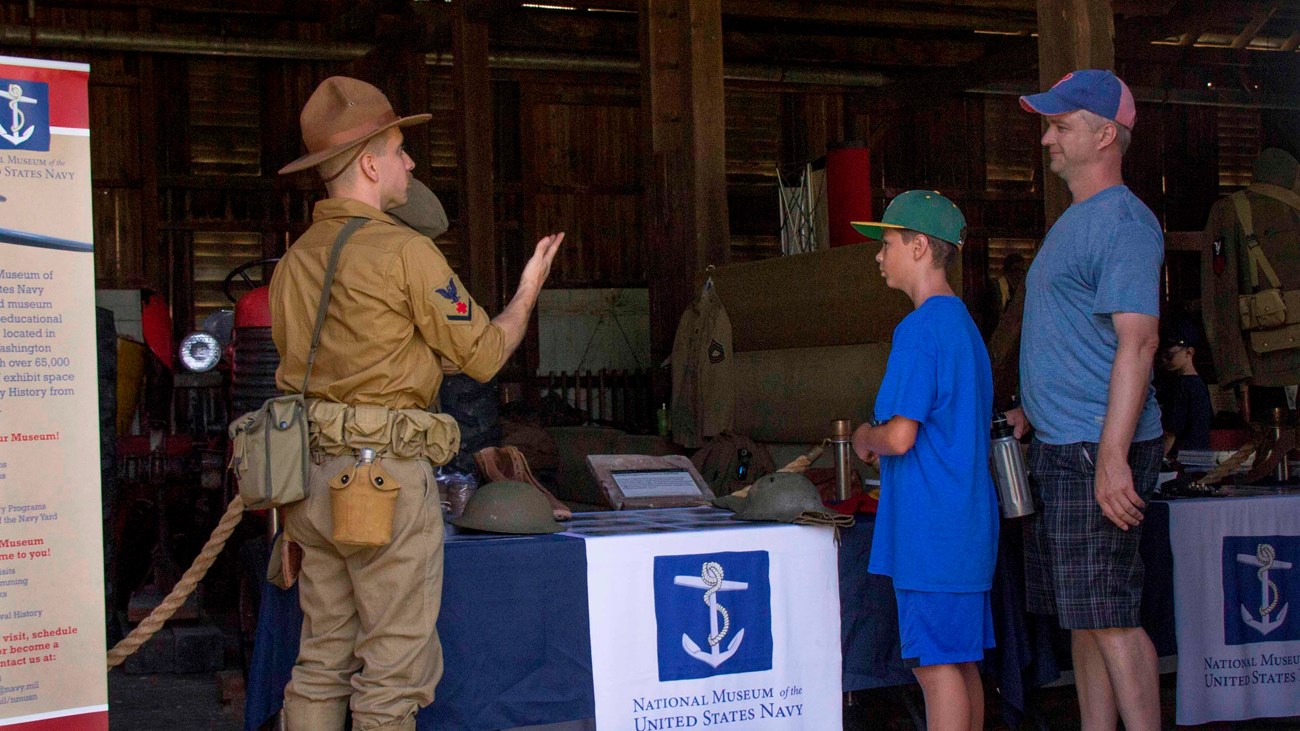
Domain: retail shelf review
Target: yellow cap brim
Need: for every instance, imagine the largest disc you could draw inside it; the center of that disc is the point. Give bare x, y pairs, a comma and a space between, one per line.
872, 229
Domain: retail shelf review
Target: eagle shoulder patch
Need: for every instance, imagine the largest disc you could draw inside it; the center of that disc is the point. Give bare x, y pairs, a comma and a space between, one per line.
456, 308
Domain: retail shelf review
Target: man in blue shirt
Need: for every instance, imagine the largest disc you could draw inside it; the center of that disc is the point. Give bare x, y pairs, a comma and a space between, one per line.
1090, 332
937, 524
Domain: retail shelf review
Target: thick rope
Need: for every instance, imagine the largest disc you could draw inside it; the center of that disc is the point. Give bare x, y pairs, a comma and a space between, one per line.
183, 588
1266, 554
711, 574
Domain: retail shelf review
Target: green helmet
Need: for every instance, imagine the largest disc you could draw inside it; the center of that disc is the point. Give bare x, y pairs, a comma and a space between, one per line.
508, 507
788, 497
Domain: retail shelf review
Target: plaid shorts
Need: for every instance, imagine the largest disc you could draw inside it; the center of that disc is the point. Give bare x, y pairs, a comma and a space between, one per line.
1078, 565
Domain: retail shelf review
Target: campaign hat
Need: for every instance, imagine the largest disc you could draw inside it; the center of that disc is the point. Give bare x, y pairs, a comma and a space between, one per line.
342, 113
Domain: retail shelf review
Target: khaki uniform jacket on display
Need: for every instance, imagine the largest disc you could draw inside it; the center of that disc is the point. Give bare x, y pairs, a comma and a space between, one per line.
1226, 275
396, 312
704, 386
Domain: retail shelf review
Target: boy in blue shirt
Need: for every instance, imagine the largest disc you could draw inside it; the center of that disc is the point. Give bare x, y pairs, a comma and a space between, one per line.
937, 525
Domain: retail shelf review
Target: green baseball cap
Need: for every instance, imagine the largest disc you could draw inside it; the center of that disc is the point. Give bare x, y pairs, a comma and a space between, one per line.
925, 211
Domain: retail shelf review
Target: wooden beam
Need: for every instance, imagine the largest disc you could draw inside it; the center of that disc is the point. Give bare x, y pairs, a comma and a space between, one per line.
1014, 57
1072, 34
1257, 22
682, 100
471, 79
1014, 16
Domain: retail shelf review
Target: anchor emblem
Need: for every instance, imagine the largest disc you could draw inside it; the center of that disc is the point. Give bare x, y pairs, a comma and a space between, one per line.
711, 581
1265, 559
15, 95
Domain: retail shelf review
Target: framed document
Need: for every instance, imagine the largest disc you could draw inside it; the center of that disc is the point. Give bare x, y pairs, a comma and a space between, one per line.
635, 481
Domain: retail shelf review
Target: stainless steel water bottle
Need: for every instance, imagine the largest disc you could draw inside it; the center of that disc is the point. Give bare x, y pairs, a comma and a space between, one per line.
1009, 470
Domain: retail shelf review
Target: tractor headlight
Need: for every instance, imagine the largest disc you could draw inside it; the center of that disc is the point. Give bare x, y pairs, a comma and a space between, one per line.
200, 351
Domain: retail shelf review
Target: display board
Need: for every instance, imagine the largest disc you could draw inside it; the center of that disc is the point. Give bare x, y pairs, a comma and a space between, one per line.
52, 656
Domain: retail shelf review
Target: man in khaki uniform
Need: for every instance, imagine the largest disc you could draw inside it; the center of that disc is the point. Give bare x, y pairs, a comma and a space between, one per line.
1241, 357
398, 319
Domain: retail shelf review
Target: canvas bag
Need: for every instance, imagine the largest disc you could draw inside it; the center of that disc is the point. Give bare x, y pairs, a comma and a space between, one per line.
1272, 307
270, 453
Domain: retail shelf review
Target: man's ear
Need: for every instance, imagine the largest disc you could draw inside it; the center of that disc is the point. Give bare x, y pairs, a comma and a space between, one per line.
368, 166
1109, 135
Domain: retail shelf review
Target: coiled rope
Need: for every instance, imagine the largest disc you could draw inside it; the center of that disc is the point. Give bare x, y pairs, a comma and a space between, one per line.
1265, 554
712, 577
163, 612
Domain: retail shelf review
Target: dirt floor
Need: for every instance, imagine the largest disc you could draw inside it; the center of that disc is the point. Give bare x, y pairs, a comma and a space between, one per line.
193, 703
169, 703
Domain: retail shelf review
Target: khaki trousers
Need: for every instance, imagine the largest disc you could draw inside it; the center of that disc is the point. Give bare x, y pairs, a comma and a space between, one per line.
369, 614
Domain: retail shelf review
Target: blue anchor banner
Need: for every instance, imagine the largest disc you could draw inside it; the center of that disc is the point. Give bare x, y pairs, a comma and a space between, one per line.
733, 626
1237, 607
51, 560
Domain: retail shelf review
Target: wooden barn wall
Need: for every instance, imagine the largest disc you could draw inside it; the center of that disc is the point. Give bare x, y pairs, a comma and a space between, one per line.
184, 176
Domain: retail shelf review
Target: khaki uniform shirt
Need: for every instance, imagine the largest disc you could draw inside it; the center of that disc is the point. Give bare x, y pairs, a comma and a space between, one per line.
396, 312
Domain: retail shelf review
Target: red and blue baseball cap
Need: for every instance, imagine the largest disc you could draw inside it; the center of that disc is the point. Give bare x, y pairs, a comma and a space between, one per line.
1097, 90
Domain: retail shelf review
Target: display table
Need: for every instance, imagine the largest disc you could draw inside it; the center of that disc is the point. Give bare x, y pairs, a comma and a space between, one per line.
514, 626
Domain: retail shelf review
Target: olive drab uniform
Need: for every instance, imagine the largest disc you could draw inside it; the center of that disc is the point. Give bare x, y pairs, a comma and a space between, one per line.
1250, 278
703, 371
396, 314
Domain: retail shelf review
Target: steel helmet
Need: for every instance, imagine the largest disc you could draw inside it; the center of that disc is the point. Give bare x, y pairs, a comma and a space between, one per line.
508, 507
788, 497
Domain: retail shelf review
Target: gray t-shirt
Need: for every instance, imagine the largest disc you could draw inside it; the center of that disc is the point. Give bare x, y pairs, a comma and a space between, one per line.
1101, 257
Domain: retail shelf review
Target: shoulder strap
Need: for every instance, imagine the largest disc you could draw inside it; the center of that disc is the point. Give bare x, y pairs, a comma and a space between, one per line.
1257, 259
349, 228
1277, 193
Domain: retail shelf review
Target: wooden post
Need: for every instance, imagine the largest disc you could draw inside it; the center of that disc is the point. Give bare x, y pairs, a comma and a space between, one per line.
686, 179
1072, 34
472, 81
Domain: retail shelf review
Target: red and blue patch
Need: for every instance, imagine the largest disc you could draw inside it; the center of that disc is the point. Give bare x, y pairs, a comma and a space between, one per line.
464, 308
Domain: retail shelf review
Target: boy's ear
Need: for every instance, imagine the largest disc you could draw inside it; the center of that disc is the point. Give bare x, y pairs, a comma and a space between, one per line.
920, 243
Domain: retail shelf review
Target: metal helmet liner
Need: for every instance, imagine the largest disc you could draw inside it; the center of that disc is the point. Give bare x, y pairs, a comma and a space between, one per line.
788, 497
508, 507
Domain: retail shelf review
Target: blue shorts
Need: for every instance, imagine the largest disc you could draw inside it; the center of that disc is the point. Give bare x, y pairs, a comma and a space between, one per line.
939, 628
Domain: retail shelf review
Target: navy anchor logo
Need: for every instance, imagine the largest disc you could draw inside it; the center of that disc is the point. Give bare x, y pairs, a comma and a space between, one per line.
711, 581
15, 95
1265, 559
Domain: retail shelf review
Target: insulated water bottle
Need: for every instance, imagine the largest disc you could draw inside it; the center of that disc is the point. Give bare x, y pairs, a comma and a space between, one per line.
1009, 470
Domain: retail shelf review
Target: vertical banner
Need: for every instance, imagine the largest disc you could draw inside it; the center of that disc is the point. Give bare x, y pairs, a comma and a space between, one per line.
1237, 607
736, 627
51, 564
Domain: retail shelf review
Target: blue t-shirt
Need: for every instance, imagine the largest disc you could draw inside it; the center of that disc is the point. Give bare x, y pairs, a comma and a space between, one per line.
1102, 257
937, 524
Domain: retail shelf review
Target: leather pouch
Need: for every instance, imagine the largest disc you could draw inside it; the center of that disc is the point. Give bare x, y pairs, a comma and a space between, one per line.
286, 561
362, 500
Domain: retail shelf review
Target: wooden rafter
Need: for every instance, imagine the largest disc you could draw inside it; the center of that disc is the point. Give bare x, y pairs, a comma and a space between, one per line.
966, 16
1257, 22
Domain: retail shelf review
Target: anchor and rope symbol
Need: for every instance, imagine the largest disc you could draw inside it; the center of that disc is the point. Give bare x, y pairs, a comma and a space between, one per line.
15, 95
1265, 560
711, 581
